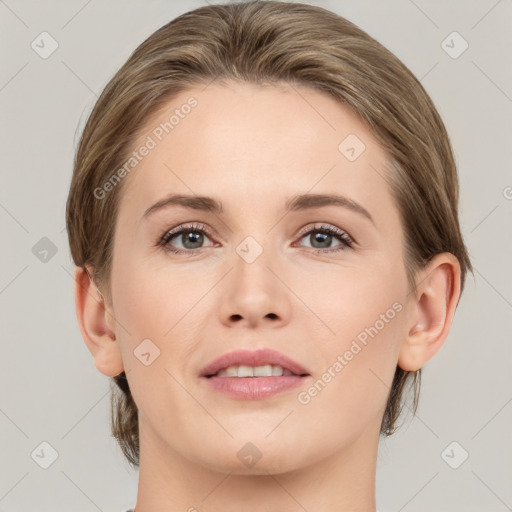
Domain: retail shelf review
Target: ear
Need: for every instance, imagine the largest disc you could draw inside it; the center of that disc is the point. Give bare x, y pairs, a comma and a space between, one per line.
433, 309
97, 325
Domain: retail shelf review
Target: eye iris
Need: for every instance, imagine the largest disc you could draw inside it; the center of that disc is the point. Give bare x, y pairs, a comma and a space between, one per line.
192, 236
322, 237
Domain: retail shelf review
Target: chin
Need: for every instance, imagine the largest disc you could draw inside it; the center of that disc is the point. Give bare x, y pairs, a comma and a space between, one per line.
254, 459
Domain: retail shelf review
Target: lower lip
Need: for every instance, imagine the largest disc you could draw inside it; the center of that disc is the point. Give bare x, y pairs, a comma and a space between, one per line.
254, 388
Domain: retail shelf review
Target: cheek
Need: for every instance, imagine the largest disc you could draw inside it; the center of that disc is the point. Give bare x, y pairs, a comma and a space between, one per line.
151, 293
351, 391
161, 302
157, 310
365, 312
344, 300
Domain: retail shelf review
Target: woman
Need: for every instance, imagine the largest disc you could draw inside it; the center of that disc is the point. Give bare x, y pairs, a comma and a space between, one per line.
263, 215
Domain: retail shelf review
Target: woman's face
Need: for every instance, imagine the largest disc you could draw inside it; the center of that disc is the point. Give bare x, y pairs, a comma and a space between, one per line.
257, 275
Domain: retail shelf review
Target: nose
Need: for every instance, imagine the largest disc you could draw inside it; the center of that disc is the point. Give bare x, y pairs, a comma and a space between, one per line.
254, 295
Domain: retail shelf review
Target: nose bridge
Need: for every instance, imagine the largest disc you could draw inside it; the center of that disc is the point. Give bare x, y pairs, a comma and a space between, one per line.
256, 238
253, 256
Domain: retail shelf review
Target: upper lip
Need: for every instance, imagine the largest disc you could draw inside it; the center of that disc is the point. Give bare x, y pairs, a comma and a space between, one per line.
258, 357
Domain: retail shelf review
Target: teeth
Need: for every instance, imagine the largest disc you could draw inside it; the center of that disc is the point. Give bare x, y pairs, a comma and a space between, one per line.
245, 371
263, 371
254, 371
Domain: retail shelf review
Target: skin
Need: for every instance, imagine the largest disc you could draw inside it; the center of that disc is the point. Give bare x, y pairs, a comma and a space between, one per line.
252, 147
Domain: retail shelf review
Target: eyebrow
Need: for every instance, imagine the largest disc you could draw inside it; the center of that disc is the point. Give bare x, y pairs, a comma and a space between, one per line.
295, 203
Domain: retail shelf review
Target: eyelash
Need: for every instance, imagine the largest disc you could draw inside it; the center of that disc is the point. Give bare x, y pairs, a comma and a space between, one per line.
346, 241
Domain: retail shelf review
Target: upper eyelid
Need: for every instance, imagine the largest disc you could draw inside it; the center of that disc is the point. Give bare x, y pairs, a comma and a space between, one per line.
189, 226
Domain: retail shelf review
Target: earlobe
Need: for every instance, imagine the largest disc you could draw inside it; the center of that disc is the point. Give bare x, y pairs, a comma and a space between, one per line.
95, 324
435, 302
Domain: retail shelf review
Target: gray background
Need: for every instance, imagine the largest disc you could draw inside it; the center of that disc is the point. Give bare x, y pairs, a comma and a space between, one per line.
50, 390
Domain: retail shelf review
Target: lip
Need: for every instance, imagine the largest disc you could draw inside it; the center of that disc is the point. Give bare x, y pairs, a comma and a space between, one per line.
253, 388
258, 357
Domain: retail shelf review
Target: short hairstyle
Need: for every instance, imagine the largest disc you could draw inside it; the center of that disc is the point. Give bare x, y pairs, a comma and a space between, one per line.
265, 42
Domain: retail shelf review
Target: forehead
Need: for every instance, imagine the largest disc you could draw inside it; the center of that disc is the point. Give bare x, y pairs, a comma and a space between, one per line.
246, 141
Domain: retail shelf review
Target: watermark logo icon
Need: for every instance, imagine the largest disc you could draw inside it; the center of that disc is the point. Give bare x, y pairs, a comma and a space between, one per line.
249, 249
249, 454
454, 455
44, 45
44, 455
351, 147
146, 352
44, 250
454, 45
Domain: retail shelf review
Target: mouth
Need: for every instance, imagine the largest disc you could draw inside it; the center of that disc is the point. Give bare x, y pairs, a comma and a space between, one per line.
254, 375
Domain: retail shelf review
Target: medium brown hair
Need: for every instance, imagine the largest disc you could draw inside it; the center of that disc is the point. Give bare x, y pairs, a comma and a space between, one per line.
265, 42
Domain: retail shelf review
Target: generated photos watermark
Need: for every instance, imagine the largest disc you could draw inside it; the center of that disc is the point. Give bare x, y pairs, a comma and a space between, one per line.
145, 148
305, 397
